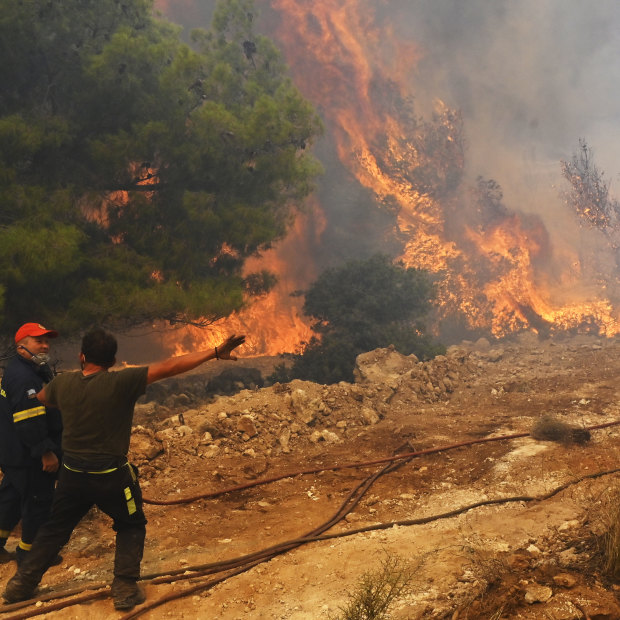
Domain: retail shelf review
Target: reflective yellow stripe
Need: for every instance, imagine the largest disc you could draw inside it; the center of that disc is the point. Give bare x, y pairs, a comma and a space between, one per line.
5, 533
84, 471
25, 414
2, 392
131, 504
25, 546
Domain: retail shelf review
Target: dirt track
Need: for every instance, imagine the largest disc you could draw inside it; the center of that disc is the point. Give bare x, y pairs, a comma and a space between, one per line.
518, 559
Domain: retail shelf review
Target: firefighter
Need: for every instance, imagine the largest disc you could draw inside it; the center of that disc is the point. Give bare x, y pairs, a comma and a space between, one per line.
30, 440
97, 407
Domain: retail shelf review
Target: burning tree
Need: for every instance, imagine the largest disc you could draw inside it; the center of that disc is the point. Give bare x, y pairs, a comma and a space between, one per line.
589, 191
597, 210
137, 172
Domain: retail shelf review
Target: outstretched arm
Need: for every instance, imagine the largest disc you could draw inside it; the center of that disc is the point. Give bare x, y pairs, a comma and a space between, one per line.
182, 363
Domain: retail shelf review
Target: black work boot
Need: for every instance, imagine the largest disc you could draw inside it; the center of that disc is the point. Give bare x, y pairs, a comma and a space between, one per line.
6, 555
127, 593
19, 589
20, 555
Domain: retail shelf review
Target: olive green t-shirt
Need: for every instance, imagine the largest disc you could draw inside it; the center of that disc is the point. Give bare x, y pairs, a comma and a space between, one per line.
97, 410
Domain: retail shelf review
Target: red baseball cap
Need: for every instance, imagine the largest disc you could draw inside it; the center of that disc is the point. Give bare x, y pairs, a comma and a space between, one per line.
34, 329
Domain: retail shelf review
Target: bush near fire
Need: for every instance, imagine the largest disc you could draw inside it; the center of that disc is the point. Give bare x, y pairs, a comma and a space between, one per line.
361, 306
138, 172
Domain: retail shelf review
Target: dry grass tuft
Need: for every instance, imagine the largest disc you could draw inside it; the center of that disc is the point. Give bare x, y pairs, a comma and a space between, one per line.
610, 539
377, 590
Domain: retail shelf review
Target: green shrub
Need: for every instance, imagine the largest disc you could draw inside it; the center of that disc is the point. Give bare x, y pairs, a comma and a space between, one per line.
361, 306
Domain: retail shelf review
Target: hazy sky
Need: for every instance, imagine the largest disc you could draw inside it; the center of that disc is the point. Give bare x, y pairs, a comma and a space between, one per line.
530, 76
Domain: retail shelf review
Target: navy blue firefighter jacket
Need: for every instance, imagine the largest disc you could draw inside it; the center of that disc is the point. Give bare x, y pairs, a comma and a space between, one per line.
28, 429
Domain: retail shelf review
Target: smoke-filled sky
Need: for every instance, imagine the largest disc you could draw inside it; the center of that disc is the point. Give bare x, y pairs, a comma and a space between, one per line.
530, 76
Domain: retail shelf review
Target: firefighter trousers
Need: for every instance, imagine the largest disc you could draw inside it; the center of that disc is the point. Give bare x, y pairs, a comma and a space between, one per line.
26, 493
116, 493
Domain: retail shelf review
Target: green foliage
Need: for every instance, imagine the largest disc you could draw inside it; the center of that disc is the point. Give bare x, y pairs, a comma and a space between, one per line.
366, 293
361, 306
137, 173
378, 590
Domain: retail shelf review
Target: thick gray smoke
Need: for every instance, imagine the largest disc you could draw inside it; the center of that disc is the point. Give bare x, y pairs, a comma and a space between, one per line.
531, 77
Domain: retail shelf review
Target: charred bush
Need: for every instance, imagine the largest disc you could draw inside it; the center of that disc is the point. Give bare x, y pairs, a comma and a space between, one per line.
548, 428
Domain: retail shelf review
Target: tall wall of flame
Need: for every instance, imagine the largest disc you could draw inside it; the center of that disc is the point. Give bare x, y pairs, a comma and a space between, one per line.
509, 86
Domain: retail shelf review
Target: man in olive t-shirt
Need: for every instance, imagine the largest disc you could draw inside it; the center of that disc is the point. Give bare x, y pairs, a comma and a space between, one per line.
97, 407
99, 411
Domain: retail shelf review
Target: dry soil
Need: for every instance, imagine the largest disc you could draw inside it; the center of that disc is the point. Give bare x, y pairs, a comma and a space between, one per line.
530, 514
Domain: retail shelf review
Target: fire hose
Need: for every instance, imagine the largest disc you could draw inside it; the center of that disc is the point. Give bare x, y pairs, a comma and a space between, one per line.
356, 465
236, 566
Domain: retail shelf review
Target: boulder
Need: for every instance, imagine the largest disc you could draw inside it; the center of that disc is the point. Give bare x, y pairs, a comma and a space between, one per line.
144, 446
382, 365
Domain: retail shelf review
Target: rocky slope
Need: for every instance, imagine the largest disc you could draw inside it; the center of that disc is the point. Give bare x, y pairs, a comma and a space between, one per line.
494, 515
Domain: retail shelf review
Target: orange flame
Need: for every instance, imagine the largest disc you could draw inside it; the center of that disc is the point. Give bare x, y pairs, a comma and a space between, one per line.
274, 323
496, 277
502, 277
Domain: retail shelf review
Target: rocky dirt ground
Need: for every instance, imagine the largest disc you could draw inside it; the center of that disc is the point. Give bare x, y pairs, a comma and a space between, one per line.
271, 465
